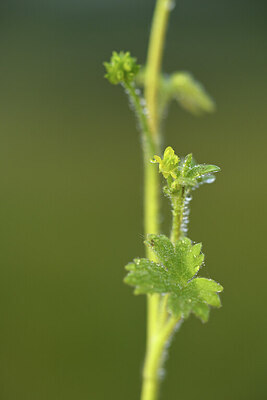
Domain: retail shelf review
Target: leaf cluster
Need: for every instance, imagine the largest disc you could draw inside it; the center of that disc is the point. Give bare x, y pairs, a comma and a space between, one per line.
186, 174
175, 275
178, 261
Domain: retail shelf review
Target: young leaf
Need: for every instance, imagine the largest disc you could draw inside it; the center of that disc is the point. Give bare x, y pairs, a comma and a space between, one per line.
182, 87
190, 94
185, 174
175, 275
168, 166
201, 169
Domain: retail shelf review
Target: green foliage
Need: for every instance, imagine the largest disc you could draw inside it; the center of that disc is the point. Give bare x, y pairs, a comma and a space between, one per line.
168, 166
122, 68
171, 272
186, 174
175, 275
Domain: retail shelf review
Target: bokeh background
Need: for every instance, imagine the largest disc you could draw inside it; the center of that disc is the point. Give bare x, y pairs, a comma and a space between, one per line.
71, 200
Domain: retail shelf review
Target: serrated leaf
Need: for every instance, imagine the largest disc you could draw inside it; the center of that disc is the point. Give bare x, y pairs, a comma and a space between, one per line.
147, 276
196, 297
175, 274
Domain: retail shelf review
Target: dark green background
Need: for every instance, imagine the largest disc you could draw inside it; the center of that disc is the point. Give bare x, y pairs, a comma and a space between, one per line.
71, 200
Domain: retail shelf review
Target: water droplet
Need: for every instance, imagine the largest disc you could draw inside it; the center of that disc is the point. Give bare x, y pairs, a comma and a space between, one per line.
210, 179
143, 102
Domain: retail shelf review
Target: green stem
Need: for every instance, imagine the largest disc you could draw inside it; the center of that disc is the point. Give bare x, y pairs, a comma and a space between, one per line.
178, 202
151, 192
151, 225
154, 359
154, 59
163, 312
176, 232
149, 146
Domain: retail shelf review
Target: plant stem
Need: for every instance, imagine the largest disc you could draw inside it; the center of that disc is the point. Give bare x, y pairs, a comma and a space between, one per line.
154, 359
151, 190
149, 146
151, 215
177, 214
154, 59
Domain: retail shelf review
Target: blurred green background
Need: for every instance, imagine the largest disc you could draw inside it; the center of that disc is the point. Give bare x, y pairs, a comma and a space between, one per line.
71, 200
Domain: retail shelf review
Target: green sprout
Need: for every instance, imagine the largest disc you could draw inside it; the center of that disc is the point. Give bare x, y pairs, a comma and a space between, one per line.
168, 275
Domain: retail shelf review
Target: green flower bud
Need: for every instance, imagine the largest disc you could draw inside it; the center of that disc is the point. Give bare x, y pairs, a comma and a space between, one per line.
122, 68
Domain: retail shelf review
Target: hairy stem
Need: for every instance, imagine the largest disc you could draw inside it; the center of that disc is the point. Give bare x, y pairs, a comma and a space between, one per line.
149, 146
151, 220
154, 360
177, 201
151, 194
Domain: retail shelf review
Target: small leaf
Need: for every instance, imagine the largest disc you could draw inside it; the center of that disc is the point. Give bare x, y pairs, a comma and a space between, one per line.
168, 166
190, 94
185, 174
201, 169
187, 164
182, 87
